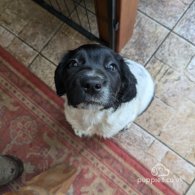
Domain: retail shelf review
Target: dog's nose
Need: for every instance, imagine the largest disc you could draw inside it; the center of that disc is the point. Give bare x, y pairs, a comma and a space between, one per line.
91, 85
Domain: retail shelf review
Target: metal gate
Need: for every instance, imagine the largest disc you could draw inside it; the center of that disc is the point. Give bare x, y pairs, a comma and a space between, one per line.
81, 15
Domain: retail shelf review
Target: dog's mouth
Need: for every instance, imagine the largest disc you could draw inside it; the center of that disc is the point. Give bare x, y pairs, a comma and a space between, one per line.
90, 105
94, 101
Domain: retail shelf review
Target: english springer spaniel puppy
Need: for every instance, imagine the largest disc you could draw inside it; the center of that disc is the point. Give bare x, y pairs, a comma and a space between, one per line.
103, 92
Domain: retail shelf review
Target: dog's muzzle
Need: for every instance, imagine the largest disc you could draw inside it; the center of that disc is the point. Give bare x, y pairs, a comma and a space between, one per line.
95, 89
92, 85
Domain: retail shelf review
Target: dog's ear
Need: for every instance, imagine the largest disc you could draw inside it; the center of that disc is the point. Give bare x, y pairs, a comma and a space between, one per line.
59, 76
128, 83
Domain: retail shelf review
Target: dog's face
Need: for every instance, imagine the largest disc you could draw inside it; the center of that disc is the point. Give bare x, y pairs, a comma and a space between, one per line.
94, 75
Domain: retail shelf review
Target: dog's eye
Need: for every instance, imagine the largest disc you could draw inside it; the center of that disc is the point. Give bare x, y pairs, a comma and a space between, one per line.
72, 63
111, 67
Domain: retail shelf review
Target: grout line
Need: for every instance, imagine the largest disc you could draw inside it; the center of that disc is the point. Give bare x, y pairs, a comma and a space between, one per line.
45, 45
42, 57
153, 55
38, 52
170, 30
193, 44
32, 60
156, 138
165, 25
168, 65
17, 36
29, 66
189, 6
145, 64
57, 30
154, 20
193, 182
48, 59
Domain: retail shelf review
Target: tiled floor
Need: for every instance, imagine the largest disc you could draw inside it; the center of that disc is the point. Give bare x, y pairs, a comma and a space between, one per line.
163, 41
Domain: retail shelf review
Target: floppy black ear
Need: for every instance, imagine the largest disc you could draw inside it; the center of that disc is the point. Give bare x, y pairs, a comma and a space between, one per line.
128, 87
59, 76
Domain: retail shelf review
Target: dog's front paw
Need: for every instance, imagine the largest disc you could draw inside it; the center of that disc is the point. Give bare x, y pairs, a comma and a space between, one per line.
126, 127
81, 133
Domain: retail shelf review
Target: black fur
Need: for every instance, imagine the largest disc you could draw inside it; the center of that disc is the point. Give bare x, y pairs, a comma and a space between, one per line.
128, 88
77, 65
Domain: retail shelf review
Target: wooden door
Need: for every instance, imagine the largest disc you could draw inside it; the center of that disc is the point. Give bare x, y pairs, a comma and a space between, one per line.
123, 23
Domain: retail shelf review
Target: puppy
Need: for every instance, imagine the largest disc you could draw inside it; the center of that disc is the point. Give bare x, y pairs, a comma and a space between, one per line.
103, 92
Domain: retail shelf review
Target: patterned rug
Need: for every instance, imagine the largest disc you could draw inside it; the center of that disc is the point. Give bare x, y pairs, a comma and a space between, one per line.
33, 128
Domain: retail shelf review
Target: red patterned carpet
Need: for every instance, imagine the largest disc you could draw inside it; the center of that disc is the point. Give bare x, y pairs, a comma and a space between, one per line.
32, 127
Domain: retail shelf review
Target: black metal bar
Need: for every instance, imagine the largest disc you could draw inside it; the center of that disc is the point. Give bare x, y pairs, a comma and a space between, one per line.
68, 21
84, 7
67, 8
50, 3
75, 9
111, 22
87, 15
58, 6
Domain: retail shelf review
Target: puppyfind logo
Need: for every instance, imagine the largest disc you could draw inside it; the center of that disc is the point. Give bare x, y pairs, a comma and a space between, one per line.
159, 170
162, 174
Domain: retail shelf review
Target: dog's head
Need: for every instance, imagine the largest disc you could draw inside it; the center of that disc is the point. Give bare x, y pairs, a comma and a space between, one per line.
94, 75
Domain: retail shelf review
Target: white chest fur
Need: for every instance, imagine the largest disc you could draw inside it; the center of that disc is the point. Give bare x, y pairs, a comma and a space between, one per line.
107, 122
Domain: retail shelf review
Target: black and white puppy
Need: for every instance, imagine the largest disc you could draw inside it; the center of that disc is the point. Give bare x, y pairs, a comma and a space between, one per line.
103, 92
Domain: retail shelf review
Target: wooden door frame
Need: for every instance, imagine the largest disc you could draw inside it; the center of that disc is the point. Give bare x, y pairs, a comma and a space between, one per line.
118, 26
